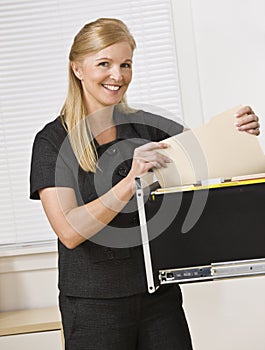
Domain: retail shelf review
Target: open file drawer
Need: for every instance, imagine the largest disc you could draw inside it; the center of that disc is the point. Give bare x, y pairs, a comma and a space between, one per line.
203, 234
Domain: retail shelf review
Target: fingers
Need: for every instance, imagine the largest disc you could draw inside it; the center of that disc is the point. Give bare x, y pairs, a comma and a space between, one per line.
244, 110
152, 146
148, 157
255, 132
247, 120
148, 153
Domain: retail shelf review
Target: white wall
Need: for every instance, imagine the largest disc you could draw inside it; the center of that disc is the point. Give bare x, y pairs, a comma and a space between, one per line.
221, 55
28, 279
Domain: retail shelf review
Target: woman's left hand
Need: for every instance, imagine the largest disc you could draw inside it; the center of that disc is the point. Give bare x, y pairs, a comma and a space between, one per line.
247, 120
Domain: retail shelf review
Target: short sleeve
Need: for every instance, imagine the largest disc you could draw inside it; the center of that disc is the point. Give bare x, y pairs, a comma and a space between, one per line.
155, 127
50, 165
167, 128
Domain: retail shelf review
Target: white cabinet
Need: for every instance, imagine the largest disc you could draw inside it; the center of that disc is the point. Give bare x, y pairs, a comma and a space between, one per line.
32, 341
31, 329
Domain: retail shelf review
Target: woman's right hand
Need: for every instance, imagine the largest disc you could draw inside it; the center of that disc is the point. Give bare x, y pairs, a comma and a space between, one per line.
147, 157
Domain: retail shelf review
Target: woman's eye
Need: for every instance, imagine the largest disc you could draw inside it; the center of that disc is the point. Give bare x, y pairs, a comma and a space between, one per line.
126, 65
103, 64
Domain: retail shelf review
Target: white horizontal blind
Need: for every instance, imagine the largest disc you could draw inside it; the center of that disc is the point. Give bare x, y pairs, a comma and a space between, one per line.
35, 40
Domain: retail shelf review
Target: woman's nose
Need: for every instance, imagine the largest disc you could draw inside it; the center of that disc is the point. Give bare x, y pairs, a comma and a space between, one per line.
116, 73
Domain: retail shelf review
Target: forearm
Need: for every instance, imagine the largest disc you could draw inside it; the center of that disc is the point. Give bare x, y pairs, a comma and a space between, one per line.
87, 220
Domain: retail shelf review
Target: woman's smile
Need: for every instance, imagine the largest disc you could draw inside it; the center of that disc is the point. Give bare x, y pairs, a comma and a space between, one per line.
111, 87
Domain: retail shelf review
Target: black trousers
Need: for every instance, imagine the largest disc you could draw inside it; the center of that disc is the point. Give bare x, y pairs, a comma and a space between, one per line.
140, 322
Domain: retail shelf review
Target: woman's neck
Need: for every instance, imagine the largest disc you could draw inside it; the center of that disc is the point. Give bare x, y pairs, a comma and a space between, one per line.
102, 125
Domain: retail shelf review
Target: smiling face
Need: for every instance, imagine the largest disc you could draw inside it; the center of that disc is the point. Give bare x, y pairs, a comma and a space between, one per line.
105, 75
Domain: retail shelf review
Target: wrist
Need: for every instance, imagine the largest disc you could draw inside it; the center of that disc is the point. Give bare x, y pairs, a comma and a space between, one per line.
124, 190
130, 184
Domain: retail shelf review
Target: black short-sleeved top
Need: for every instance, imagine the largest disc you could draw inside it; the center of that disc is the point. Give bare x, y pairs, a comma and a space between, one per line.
110, 264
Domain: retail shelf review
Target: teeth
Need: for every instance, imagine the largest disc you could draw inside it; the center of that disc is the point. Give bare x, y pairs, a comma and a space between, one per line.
111, 87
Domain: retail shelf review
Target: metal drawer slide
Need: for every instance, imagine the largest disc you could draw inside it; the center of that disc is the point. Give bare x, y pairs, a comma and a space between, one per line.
213, 272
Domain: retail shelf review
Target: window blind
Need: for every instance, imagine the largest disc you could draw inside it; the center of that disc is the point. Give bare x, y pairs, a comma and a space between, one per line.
35, 40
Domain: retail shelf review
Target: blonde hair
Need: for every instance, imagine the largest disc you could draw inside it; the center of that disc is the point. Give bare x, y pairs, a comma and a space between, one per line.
93, 37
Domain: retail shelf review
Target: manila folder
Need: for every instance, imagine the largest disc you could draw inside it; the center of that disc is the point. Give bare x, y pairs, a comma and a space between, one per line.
214, 150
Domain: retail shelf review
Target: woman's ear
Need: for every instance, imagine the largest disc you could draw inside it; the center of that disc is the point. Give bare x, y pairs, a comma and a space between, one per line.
77, 70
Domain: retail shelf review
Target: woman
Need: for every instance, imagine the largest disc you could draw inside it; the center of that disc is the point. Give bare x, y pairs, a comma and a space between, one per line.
83, 169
